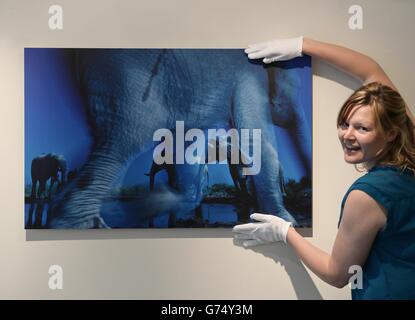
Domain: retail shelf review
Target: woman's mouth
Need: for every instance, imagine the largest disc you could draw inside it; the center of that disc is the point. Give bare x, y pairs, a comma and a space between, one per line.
351, 149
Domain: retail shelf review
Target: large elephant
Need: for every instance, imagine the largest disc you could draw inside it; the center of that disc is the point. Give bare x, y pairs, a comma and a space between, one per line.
45, 167
130, 93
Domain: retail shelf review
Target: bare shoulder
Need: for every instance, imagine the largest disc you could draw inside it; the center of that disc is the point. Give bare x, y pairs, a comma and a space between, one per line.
362, 211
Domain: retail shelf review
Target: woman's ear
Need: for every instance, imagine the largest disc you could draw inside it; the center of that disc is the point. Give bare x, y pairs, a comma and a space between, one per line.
392, 134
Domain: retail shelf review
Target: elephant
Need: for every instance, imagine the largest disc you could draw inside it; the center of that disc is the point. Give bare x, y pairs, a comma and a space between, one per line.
130, 93
235, 169
156, 168
191, 181
45, 167
220, 146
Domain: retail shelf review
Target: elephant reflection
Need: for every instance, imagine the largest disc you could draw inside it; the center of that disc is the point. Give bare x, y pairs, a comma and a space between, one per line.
45, 167
130, 93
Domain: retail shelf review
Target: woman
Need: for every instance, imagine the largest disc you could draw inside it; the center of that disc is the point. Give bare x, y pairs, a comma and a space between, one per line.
377, 221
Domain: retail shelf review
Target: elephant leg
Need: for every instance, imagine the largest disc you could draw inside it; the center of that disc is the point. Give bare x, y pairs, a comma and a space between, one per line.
156, 168
288, 111
252, 111
39, 214
172, 220
33, 192
29, 222
42, 188
52, 183
302, 139
199, 215
78, 205
233, 170
153, 171
151, 222
151, 182
171, 176
244, 204
242, 181
120, 133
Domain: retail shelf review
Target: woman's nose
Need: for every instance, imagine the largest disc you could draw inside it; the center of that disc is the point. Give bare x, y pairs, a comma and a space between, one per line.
349, 134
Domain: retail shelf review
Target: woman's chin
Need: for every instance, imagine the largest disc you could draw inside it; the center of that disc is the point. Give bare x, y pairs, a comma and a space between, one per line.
351, 160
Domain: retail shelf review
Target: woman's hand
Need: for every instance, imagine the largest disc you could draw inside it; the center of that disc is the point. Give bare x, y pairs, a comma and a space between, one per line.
276, 50
269, 229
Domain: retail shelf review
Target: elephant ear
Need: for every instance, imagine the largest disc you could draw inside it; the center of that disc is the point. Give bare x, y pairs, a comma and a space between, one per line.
61, 160
60, 157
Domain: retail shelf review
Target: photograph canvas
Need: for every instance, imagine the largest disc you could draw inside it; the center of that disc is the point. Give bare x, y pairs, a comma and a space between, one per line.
165, 138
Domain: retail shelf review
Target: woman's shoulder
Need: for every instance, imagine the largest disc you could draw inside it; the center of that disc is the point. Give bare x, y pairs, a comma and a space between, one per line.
386, 185
385, 174
386, 182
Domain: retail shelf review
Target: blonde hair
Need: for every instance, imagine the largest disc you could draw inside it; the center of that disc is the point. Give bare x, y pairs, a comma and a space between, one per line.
390, 113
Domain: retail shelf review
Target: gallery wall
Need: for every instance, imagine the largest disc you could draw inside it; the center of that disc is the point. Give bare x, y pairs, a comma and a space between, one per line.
189, 263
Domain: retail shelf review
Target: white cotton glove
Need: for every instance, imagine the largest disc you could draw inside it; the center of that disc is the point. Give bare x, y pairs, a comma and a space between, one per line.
269, 229
276, 50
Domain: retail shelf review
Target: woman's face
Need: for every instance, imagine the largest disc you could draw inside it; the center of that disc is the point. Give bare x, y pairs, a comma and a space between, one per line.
360, 139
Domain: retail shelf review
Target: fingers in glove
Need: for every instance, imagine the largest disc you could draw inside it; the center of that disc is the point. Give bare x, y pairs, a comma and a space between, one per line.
258, 55
255, 47
270, 60
243, 236
251, 243
244, 228
252, 50
260, 217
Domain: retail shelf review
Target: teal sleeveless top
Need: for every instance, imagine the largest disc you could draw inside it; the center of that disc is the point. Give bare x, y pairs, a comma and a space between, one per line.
389, 271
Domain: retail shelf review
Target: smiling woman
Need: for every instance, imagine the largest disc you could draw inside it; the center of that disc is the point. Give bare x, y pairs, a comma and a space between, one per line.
373, 127
360, 138
377, 219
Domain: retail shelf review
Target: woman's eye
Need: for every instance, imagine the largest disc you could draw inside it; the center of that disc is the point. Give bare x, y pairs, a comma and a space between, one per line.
363, 129
344, 125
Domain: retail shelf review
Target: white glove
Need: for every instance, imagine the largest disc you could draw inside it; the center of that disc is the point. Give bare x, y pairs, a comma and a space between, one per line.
269, 229
276, 50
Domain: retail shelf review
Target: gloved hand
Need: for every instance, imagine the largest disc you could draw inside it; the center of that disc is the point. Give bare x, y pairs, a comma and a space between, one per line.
276, 50
269, 229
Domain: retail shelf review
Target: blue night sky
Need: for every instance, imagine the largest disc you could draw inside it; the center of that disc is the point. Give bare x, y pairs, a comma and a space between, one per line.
55, 120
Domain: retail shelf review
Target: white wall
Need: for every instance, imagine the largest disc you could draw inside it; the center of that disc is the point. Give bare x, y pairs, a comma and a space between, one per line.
185, 264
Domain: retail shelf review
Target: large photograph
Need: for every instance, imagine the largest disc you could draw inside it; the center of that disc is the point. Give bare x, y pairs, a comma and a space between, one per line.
165, 138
